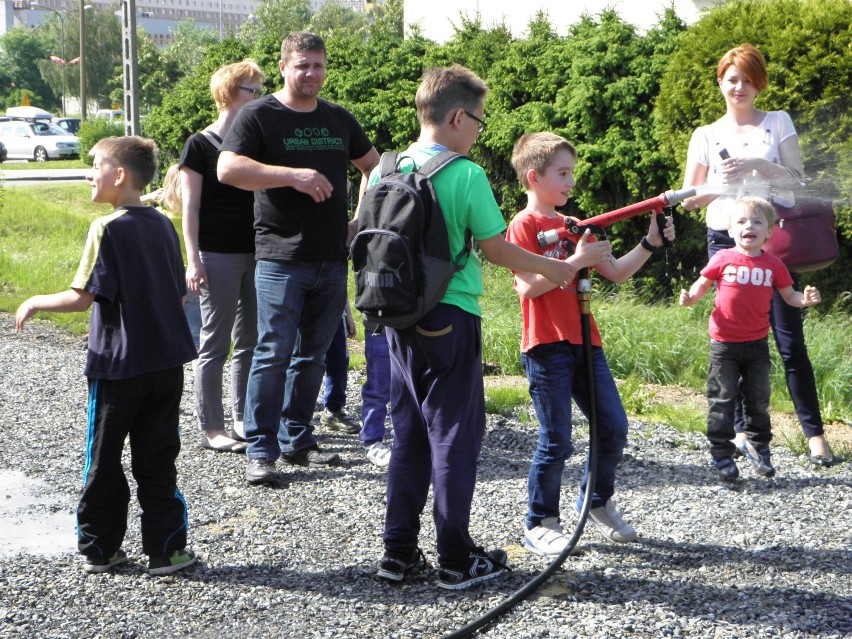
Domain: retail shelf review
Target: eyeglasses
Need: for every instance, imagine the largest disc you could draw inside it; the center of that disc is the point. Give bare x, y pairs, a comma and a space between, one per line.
481, 127
255, 92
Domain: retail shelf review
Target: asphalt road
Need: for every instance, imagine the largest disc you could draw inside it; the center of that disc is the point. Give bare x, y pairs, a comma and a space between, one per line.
30, 177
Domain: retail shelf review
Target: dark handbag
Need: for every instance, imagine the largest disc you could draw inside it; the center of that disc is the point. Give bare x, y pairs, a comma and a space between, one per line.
804, 236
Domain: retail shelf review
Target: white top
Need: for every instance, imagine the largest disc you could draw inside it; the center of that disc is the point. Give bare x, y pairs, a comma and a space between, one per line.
761, 142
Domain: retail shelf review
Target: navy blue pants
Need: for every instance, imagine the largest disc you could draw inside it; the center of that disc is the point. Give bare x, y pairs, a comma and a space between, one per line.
438, 414
146, 408
336, 362
788, 329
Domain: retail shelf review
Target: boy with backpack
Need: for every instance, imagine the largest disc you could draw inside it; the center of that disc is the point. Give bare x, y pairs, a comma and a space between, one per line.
437, 395
132, 276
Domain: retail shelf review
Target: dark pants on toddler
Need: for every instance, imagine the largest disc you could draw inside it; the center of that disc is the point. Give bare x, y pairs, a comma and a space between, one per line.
146, 408
438, 415
738, 370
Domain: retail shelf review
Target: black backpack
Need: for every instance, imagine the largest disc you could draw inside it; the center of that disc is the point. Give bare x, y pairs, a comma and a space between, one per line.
401, 254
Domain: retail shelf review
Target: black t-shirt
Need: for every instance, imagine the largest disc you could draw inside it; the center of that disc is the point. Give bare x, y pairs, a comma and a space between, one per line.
225, 216
133, 265
288, 224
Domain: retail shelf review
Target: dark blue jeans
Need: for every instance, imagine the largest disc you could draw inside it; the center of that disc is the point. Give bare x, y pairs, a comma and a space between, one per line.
336, 363
299, 305
557, 373
737, 371
438, 413
375, 394
788, 330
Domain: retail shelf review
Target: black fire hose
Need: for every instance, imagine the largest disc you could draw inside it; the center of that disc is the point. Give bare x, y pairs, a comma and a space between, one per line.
584, 294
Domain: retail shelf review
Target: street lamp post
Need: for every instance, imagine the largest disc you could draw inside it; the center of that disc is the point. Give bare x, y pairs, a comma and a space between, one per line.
82, 60
62, 39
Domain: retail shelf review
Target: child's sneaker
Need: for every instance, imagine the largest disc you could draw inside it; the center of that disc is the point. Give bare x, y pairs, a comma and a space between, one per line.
394, 566
759, 458
167, 564
728, 470
378, 454
339, 420
104, 564
478, 567
609, 522
546, 539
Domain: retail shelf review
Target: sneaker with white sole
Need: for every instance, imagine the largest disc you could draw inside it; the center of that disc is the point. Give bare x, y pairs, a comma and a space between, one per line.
395, 566
478, 567
168, 564
99, 565
610, 523
546, 539
340, 420
759, 457
378, 454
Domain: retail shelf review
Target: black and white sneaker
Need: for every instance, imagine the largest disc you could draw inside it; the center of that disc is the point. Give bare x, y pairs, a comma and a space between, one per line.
759, 458
394, 566
480, 566
98, 565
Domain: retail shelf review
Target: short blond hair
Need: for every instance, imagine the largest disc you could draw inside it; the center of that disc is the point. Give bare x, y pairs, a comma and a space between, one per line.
751, 204
226, 81
135, 154
535, 151
443, 89
172, 196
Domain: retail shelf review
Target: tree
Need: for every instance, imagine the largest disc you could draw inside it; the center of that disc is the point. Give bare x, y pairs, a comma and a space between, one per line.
272, 21
188, 107
20, 50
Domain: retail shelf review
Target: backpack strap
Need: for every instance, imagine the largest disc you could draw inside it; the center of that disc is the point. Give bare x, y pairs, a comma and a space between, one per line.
438, 162
214, 139
387, 163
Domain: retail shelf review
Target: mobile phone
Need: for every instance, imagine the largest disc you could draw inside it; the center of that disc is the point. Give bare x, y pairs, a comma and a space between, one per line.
723, 153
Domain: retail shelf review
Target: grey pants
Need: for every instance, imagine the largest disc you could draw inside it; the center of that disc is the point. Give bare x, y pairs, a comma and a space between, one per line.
228, 313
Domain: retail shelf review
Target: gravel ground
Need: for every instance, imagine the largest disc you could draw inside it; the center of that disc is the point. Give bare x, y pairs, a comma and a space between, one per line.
763, 558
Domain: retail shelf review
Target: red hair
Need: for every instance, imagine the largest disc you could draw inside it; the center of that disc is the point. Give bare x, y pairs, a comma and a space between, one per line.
748, 60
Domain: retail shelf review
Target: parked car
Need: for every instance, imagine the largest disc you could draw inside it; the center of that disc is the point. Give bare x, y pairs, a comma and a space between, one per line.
3, 153
72, 125
110, 114
37, 140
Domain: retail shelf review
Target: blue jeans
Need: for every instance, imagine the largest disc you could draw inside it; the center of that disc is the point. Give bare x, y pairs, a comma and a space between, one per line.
788, 330
299, 305
557, 372
737, 371
375, 393
336, 362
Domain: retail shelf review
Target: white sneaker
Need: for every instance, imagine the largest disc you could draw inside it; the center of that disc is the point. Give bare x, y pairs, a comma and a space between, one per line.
545, 539
609, 522
378, 454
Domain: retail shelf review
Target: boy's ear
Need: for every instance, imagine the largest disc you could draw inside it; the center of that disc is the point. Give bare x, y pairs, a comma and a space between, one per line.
120, 176
532, 176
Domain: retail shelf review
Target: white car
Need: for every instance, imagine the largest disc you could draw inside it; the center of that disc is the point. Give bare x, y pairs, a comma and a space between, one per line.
37, 140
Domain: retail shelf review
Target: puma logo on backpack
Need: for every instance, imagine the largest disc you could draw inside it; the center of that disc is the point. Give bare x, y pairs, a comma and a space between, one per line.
401, 254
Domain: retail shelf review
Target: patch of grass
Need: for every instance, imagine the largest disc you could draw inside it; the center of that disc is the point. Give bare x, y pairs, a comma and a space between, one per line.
41, 241
510, 398
33, 166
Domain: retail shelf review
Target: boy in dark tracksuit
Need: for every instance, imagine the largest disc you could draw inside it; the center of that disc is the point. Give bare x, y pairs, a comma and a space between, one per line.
132, 276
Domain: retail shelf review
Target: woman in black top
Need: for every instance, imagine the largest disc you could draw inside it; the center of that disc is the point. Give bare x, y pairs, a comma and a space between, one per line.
218, 232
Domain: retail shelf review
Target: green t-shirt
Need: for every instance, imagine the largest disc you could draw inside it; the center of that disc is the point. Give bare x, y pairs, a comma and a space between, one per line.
468, 203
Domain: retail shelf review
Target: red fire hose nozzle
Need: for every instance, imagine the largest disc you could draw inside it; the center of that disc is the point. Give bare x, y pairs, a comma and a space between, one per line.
575, 228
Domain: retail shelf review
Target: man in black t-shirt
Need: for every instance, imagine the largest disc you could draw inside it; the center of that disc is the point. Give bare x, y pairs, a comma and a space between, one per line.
293, 149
